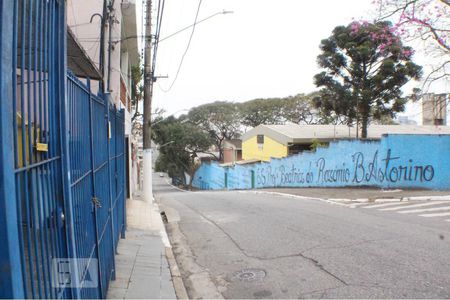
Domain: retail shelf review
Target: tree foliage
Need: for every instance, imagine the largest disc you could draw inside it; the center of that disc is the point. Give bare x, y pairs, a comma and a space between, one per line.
299, 109
221, 120
365, 65
137, 90
261, 111
180, 144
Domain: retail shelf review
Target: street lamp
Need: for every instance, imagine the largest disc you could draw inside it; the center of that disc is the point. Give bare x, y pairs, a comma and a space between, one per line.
182, 122
223, 12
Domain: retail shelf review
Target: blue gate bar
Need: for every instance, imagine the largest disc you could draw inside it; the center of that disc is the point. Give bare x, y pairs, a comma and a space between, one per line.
62, 171
11, 276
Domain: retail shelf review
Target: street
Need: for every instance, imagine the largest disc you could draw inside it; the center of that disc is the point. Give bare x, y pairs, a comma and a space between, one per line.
258, 245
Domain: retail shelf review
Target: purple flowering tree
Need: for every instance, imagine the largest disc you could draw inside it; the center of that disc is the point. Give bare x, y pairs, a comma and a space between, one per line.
424, 21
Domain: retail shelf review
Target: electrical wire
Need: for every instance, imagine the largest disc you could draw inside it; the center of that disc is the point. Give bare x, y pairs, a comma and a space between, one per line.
157, 34
185, 52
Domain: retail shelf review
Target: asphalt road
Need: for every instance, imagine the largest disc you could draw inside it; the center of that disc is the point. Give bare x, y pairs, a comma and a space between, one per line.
249, 245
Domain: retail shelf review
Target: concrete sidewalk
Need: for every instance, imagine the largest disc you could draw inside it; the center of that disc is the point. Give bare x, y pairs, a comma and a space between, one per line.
142, 268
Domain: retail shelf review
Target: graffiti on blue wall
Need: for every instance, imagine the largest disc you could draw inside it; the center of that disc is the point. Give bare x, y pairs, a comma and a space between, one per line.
360, 171
406, 161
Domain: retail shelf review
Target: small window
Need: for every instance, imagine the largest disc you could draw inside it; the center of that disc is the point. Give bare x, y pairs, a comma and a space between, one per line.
260, 139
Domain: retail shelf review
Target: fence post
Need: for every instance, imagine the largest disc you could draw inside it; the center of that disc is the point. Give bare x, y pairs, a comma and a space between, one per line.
93, 191
111, 200
125, 155
11, 280
61, 99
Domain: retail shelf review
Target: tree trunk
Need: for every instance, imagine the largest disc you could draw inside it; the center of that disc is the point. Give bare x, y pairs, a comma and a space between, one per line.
364, 121
192, 174
219, 145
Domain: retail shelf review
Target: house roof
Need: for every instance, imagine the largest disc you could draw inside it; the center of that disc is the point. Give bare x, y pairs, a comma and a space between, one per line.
303, 134
78, 61
235, 143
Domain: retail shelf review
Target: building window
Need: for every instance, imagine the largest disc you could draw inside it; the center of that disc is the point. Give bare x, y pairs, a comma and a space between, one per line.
260, 139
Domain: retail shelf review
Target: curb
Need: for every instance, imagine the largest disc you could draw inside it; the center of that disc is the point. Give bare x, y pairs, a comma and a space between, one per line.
177, 280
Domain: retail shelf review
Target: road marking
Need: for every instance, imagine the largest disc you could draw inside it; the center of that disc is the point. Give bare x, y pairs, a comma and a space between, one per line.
421, 198
354, 205
384, 200
339, 200
436, 215
424, 210
391, 191
414, 205
385, 204
366, 200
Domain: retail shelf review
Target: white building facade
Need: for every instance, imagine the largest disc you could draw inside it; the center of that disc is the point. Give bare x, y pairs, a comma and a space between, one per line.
121, 53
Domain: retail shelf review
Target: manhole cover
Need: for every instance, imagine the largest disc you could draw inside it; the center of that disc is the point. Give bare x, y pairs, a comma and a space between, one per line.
250, 274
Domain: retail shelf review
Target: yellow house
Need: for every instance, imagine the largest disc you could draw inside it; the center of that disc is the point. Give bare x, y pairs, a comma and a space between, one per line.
276, 141
267, 141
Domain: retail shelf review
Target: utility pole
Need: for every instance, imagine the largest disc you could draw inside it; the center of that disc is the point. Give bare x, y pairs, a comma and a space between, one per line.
111, 20
148, 91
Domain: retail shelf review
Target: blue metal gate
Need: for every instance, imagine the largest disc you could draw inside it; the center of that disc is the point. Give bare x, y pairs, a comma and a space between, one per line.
62, 175
37, 66
95, 130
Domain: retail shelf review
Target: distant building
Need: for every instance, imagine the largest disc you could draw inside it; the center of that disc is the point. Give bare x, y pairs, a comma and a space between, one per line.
276, 141
434, 107
232, 151
405, 120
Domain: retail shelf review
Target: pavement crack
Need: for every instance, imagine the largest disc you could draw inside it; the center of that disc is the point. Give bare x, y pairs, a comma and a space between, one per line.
315, 262
223, 231
322, 268
132, 271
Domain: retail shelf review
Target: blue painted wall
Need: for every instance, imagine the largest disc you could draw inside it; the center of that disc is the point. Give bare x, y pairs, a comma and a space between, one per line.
396, 161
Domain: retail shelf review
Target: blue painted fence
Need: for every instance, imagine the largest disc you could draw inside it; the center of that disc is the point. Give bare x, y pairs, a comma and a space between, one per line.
96, 151
62, 158
396, 161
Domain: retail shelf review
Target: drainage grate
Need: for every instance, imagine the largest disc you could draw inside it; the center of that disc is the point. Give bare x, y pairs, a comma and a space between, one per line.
249, 275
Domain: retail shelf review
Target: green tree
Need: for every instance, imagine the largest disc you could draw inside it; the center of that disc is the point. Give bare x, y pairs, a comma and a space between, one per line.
221, 120
137, 90
299, 109
261, 111
181, 142
365, 66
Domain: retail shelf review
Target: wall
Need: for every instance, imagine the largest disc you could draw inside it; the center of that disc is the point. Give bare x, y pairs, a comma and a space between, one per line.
270, 148
228, 155
79, 13
397, 161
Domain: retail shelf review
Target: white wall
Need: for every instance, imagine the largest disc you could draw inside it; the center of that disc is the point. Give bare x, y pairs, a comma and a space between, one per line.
79, 13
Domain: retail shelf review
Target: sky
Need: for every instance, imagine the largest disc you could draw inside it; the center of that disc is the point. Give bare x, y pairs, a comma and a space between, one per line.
263, 49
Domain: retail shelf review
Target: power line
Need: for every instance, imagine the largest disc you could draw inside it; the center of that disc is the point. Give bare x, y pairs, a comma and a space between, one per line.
187, 49
158, 31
